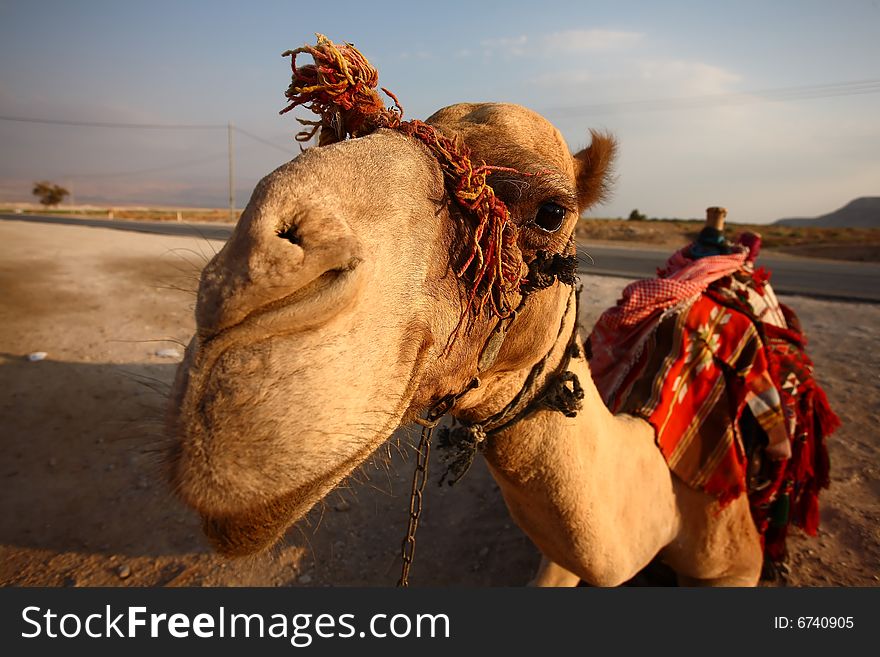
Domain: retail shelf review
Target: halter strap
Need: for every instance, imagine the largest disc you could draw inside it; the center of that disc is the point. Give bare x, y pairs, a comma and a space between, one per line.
560, 392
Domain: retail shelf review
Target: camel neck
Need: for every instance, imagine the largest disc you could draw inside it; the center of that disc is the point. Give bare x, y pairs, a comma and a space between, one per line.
507, 400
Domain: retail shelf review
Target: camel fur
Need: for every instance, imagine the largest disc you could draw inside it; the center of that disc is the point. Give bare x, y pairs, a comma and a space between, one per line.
323, 324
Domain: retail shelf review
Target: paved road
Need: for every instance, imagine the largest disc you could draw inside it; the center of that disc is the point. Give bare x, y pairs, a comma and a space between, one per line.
833, 279
199, 229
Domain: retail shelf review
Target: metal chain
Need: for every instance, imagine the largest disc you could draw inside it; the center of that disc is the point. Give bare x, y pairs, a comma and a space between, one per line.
420, 479
420, 476
509, 414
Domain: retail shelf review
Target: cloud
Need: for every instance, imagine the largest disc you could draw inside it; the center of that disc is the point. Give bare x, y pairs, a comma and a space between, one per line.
686, 77
573, 41
563, 42
562, 79
597, 88
506, 45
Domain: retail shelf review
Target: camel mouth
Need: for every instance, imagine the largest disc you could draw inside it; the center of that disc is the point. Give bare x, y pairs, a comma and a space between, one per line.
306, 309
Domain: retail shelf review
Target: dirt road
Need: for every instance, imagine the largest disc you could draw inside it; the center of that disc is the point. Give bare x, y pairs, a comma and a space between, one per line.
84, 497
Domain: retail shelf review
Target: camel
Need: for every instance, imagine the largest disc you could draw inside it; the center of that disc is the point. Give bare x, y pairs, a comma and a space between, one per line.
325, 322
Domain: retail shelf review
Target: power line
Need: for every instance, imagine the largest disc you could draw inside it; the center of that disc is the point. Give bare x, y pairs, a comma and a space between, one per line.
826, 90
158, 169
231, 152
807, 92
220, 155
108, 124
148, 126
265, 142
151, 126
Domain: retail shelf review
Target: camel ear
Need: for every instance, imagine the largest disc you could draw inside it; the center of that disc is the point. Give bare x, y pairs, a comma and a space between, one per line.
593, 169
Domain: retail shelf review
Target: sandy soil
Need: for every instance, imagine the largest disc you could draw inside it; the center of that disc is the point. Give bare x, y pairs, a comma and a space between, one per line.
84, 501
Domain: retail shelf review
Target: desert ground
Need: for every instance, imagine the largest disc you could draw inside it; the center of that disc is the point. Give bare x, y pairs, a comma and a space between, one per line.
85, 501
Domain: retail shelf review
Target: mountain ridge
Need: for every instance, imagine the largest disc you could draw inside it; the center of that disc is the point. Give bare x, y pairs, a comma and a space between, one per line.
862, 212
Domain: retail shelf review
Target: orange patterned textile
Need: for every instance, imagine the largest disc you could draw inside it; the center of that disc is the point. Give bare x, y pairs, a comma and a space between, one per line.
724, 379
700, 370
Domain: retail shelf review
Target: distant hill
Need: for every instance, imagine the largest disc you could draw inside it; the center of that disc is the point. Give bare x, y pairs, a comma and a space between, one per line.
863, 212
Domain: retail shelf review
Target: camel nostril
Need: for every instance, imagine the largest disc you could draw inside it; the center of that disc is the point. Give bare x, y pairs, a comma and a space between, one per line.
290, 235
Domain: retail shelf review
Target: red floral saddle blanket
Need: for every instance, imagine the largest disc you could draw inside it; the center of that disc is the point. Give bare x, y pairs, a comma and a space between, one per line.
724, 379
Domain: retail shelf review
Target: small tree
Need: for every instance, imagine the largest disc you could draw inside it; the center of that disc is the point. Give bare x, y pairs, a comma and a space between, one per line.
635, 215
49, 193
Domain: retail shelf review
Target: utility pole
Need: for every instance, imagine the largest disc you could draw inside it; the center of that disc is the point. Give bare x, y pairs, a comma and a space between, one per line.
231, 174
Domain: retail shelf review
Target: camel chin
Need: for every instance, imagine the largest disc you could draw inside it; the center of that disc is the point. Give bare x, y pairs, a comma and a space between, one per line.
252, 461
258, 528
252, 531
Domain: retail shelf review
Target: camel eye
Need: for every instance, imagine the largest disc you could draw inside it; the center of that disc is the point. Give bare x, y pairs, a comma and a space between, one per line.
550, 217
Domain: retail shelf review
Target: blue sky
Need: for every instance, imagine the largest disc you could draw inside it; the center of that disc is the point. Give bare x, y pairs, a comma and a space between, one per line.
675, 82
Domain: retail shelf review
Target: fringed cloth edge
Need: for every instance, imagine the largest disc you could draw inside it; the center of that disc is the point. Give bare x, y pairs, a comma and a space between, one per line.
695, 369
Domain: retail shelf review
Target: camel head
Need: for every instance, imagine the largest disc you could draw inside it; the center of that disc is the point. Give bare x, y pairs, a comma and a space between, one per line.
326, 320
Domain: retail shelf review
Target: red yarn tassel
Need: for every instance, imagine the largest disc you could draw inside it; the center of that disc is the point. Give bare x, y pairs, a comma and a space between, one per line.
827, 421
810, 511
774, 543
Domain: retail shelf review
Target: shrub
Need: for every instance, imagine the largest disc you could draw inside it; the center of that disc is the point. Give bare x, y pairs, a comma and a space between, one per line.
49, 193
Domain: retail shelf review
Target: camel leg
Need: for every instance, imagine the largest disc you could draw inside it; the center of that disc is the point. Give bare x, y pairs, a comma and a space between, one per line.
717, 547
745, 578
552, 574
